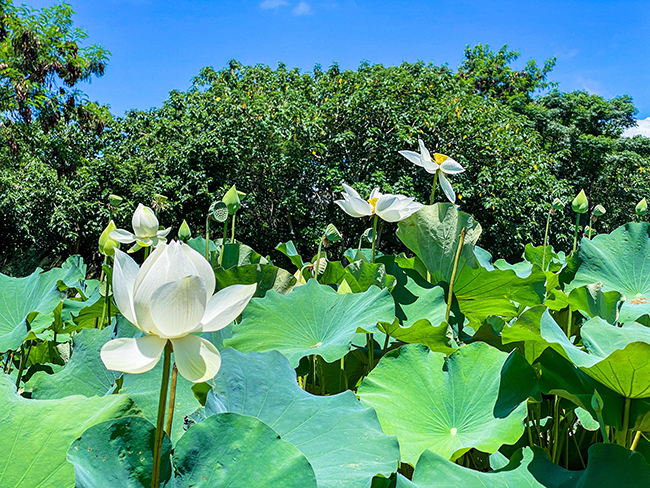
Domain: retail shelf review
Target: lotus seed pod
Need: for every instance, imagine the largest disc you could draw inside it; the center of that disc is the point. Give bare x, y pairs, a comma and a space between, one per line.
114, 200
580, 203
641, 207
184, 232
332, 234
599, 211
107, 245
233, 199
219, 211
557, 204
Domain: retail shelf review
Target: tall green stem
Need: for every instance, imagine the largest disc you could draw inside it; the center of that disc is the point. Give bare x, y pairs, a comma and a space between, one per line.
548, 223
433, 188
621, 435
207, 238
320, 247
172, 401
575, 234
370, 343
232, 232
147, 250
160, 424
591, 224
461, 241
23, 361
374, 236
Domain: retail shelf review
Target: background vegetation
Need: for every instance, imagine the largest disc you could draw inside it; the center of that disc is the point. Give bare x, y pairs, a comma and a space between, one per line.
289, 139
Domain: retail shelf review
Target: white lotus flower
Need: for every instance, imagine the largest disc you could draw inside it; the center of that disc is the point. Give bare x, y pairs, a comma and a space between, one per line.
391, 208
169, 298
440, 165
145, 229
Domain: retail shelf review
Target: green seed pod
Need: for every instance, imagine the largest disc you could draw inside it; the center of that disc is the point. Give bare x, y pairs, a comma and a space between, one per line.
580, 203
107, 245
332, 234
233, 199
184, 232
219, 211
557, 204
599, 211
114, 200
641, 207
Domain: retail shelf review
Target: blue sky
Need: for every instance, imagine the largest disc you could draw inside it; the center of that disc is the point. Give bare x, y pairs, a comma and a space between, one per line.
157, 46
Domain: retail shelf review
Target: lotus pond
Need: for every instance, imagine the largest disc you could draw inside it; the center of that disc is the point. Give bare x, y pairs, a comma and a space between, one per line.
200, 363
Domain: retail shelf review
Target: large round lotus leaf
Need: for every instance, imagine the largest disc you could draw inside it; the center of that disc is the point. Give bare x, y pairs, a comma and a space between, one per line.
342, 440
118, 453
265, 276
85, 373
433, 234
476, 397
23, 298
313, 319
621, 262
36, 434
608, 466
238, 451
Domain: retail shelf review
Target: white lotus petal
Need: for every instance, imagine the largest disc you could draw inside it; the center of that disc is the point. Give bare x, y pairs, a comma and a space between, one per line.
375, 193
144, 222
163, 233
451, 167
430, 166
177, 307
351, 191
385, 202
197, 359
132, 355
144, 242
446, 187
170, 264
426, 156
125, 273
402, 208
355, 208
412, 156
225, 306
203, 269
123, 236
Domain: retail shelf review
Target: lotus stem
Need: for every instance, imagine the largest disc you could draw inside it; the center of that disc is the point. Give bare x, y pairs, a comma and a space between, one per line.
207, 237
321, 373
320, 247
461, 241
591, 224
147, 250
556, 428
232, 232
162, 402
371, 351
374, 236
569, 323
343, 380
575, 234
635, 442
433, 188
23, 360
172, 401
548, 223
621, 435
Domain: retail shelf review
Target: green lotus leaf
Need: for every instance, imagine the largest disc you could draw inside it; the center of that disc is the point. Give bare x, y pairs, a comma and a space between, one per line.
267, 277
608, 466
313, 319
592, 302
118, 453
289, 250
449, 404
37, 433
238, 451
433, 234
361, 275
85, 373
24, 298
620, 261
342, 440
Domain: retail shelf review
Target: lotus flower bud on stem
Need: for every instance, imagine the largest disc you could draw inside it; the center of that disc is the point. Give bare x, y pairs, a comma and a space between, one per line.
115, 200
184, 232
641, 207
107, 245
580, 203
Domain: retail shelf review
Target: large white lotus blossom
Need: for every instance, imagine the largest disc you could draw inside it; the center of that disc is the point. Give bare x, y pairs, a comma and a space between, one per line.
440, 165
145, 230
391, 208
169, 298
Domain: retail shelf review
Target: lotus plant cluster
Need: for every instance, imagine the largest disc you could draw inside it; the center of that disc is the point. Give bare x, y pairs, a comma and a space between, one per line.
198, 362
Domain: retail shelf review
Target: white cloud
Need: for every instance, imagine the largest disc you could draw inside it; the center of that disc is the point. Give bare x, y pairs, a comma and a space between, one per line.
303, 8
269, 4
590, 85
642, 128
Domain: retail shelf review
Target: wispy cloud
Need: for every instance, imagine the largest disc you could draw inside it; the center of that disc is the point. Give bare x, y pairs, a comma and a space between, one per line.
590, 85
642, 128
303, 8
269, 4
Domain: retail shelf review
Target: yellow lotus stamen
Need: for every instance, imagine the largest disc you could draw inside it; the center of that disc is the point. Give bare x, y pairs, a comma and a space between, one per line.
440, 158
373, 202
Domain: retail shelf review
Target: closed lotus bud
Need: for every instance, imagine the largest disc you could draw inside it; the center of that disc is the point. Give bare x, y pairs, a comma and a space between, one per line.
641, 207
184, 232
107, 245
332, 234
599, 210
580, 203
114, 200
597, 402
557, 204
233, 199
144, 222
